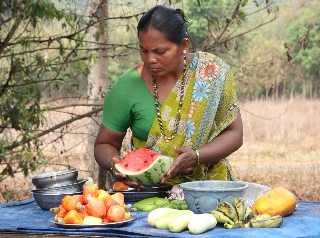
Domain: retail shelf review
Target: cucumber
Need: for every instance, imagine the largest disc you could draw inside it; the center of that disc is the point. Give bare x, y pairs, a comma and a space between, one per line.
141, 204
201, 223
163, 221
180, 223
156, 213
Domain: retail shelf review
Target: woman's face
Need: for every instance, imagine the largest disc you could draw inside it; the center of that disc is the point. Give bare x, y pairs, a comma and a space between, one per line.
161, 56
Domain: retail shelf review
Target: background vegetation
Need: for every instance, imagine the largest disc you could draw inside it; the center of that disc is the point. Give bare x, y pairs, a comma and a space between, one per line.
48, 50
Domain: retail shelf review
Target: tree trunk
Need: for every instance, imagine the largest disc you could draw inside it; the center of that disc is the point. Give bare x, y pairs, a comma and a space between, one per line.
97, 84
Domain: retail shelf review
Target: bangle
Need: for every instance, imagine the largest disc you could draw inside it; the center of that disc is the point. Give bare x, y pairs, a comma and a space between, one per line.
111, 166
198, 156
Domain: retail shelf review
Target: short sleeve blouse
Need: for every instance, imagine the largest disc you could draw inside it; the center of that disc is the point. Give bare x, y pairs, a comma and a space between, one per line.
128, 103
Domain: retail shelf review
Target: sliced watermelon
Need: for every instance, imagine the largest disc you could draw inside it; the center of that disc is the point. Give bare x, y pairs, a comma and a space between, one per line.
145, 166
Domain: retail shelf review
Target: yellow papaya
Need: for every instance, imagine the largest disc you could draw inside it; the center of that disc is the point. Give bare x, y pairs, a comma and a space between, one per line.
277, 201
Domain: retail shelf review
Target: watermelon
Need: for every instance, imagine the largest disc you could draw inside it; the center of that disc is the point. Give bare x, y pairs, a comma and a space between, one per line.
144, 166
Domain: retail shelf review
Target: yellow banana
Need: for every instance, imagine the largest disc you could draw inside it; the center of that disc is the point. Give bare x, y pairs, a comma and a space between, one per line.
228, 210
221, 217
271, 222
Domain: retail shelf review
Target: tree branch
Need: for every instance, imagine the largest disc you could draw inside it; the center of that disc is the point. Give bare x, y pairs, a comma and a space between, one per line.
26, 140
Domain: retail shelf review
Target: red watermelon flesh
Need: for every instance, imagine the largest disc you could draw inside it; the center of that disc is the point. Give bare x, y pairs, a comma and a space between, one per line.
138, 160
144, 166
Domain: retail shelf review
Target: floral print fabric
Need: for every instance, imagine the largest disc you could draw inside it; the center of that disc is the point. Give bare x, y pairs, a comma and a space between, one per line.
209, 106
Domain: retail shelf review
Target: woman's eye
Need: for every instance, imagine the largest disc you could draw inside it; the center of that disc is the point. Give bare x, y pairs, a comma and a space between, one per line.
160, 52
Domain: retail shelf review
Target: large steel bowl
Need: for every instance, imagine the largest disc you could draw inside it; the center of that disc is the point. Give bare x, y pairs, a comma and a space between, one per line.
50, 200
55, 179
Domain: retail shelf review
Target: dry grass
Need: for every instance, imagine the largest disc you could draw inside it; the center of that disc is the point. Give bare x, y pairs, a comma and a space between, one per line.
281, 148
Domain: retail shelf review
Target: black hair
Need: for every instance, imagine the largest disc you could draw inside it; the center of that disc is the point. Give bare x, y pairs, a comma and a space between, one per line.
171, 22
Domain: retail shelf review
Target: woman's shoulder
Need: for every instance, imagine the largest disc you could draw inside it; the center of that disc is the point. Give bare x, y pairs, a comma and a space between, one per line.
130, 75
207, 56
128, 79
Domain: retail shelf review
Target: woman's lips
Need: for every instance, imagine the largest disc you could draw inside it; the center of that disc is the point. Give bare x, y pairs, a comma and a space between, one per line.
154, 70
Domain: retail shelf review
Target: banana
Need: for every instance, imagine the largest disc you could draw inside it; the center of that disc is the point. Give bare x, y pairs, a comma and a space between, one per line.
248, 214
228, 210
240, 207
260, 217
271, 222
221, 217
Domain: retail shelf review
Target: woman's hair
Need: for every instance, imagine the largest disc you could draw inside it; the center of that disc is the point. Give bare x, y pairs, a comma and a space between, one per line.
171, 22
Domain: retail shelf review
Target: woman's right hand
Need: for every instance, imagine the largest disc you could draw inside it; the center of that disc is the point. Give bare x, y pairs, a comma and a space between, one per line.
122, 177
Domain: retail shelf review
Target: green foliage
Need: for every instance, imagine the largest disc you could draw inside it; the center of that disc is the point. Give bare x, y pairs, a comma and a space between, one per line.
33, 62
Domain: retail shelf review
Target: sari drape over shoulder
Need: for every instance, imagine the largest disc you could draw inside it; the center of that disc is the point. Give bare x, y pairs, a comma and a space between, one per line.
209, 106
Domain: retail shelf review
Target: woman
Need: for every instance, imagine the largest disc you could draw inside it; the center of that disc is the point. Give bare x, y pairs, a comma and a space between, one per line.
176, 103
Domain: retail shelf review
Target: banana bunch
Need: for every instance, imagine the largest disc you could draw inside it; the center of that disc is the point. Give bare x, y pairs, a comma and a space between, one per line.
239, 215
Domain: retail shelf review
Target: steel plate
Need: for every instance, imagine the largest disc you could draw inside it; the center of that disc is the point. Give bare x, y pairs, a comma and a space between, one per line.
103, 225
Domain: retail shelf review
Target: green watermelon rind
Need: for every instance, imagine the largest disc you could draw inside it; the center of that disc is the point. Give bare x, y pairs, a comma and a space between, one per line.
153, 174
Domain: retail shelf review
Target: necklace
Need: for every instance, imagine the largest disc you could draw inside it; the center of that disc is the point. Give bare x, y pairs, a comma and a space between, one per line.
157, 104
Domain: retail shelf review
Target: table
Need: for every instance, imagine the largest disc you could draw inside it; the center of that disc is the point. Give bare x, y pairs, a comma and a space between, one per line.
26, 219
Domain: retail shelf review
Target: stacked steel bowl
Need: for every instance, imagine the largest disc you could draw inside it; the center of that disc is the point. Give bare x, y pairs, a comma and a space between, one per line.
52, 187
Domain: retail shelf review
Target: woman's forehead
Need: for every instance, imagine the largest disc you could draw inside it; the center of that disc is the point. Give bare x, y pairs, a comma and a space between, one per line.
153, 37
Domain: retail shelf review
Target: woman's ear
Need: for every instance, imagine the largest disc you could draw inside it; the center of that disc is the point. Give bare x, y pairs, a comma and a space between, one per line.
185, 46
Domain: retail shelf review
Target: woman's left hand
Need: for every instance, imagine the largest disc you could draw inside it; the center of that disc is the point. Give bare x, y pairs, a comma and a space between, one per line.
184, 163
122, 177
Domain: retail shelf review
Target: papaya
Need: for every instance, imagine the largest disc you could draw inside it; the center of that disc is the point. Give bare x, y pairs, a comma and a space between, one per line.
276, 201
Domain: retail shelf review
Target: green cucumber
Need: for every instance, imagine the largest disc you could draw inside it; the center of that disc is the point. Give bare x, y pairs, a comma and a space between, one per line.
141, 204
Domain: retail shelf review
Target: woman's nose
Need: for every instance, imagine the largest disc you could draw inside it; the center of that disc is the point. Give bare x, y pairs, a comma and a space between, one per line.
151, 58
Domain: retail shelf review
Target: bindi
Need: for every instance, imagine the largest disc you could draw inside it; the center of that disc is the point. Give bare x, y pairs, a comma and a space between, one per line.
147, 47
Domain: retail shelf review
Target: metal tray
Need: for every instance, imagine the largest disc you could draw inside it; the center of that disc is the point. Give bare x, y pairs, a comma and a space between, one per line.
135, 195
103, 225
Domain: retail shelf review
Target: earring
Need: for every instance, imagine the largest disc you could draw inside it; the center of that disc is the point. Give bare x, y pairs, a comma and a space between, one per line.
184, 51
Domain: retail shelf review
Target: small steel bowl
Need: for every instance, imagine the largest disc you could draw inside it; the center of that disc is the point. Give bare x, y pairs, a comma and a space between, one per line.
50, 200
55, 179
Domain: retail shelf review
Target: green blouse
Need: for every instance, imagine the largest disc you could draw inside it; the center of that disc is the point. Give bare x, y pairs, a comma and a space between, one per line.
128, 103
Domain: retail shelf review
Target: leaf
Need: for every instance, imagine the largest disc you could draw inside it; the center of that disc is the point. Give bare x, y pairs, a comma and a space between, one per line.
97, 36
267, 1
244, 3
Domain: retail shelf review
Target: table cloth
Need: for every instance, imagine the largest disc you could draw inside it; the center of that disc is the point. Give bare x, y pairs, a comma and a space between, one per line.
26, 217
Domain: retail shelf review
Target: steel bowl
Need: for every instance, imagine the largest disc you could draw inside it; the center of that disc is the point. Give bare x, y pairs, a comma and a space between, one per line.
135, 195
70, 188
204, 196
55, 179
49, 200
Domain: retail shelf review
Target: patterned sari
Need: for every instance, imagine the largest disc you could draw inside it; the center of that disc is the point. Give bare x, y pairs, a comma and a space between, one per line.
209, 106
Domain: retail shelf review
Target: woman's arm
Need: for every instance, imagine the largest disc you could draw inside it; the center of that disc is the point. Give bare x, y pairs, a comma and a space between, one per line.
227, 142
106, 146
